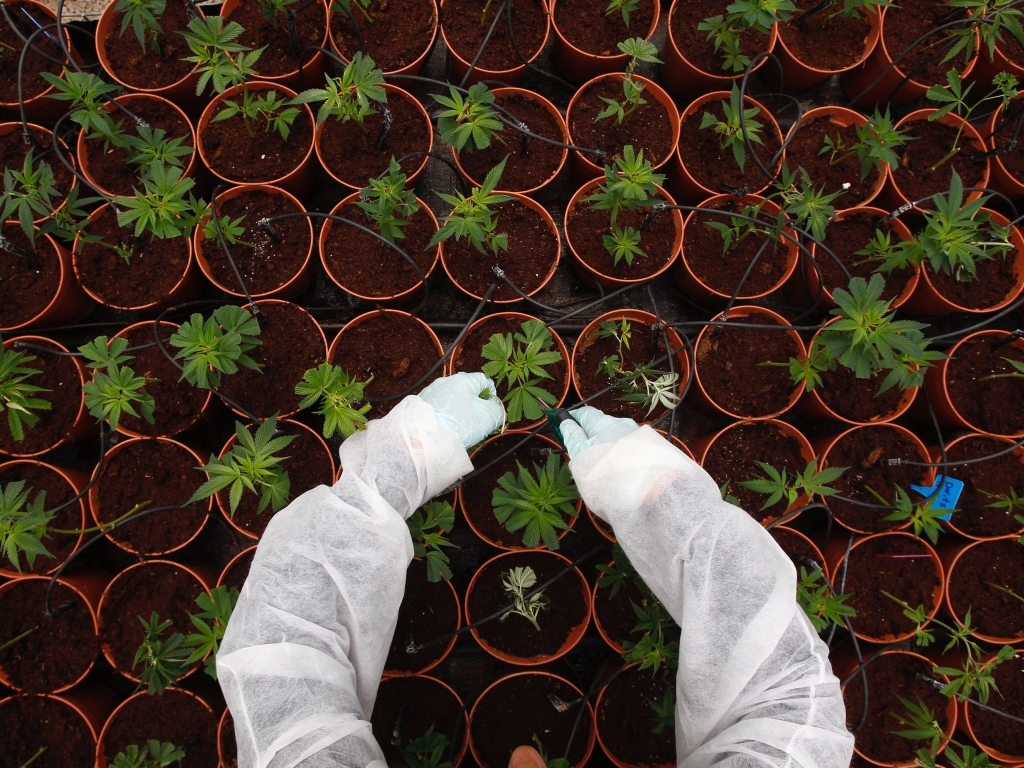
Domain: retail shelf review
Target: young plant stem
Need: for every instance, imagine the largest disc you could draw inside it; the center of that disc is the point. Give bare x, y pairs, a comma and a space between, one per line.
1007, 590
103, 526
34, 757
12, 641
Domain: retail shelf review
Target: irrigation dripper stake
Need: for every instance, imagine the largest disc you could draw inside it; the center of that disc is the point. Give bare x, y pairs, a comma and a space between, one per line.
563, 706
805, 17
7, 245
899, 212
524, 139
385, 128
1009, 339
268, 228
293, 30
729, 189
652, 215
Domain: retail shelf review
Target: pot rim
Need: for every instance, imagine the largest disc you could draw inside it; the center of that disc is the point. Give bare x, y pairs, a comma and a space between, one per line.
942, 371
948, 600
66, 700
231, 562
230, 5
67, 278
609, 60
416, 65
32, 100
496, 74
723, 79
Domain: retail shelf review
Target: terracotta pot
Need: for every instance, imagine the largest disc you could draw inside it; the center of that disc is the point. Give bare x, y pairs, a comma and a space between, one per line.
697, 289
577, 64
312, 66
388, 673
1001, 179
1003, 758
682, 77
686, 189
444, 690
799, 76
392, 300
460, 65
222, 580
593, 276
300, 179
357, 321
700, 396
412, 69
583, 169
226, 736
951, 554
819, 558
82, 709
52, 161
639, 720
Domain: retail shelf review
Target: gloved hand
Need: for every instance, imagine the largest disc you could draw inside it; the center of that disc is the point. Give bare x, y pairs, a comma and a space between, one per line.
590, 426
458, 405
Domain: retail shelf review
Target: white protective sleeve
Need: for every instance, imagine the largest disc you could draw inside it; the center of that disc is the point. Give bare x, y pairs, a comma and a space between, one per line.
304, 650
754, 687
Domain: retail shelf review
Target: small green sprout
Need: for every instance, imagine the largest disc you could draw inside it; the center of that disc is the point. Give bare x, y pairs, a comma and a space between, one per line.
664, 712
114, 388
637, 49
469, 121
730, 130
472, 218
17, 395
516, 583
809, 483
351, 96
822, 606
154, 755
388, 203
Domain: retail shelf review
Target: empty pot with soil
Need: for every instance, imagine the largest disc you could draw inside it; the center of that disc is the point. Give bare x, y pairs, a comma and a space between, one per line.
399, 38
987, 578
982, 511
464, 30
410, 706
587, 35
630, 730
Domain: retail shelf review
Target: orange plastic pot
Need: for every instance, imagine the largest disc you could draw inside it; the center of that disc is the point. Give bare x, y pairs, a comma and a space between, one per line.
300, 179
235, 562
639, 720
952, 553
1003, 758
442, 691
413, 68
312, 65
612, 643
391, 300
81, 709
388, 673
6, 128
460, 65
1001, 179
799, 75
783, 531
577, 64
226, 755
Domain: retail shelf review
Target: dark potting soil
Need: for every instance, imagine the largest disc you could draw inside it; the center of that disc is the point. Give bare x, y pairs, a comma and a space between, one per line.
528, 165
280, 56
27, 287
397, 36
351, 153
228, 745
997, 278
723, 271
156, 265
146, 717
519, 707
734, 455
797, 549
1006, 125
616, 614
587, 25
292, 343
847, 236
261, 157
905, 24
397, 351
695, 45
993, 612
423, 703
32, 83
157, 471
914, 177
429, 610
469, 357
515, 635
995, 476
32, 722
802, 152
167, 589
308, 465
891, 677
648, 127
269, 263
625, 718
238, 571
144, 67
994, 405
40, 477
728, 365
827, 40
13, 149
532, 250
58, 652
993, 730
60, 376
885, 563
588, 227
864, 452
370, 267
857, 399
110, 167
178, 403
465, 28
711, 164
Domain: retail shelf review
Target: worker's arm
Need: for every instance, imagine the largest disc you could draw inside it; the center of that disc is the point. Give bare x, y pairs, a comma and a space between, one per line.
754, 686
303, 652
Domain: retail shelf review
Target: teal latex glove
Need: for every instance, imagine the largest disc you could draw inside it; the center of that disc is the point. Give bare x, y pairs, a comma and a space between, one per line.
458, 405
590, 426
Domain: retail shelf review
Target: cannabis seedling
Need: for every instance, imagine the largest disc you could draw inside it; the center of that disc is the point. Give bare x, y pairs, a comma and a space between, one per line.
86, 93
637, 49
161, 208
516, 583
219, 59
349, 97
274, 8
536, 503
427, 751
743, 16
217, 345
388, 203
519, 361
730, 130
114, 388
272, 109
427, 543
822, 606
472, 218
142, 16
801, 205
664, 712
630, 183
643, 385
153, 146
989, 19
926, 516
469, 121
809, 483
1009, 502
877, 141
550, 762
153, 755
17, 395
924, 726
338, 394
28, 194
23, 523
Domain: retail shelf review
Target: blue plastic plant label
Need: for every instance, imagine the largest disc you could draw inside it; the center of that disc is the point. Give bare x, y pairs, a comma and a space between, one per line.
948, 495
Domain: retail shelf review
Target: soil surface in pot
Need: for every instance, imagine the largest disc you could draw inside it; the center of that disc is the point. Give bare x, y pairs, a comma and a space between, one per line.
733, 458
728, 365
469, 357
797, 549
308, 465
262, 157
516, 636
993, 612
827, 40
237, 572
429, 610
994, 405
110, 167
993, 730
997, 277
616, 614
155, 267
160, 472
178, 403
396, 38
904, 25
168, 589
532, 250
40, 477
587, 25
723, 271
465, 30
915, 176
625, 718
291, 344
518, 707
58, 652
527, 166
849, 235
31, 722
146, 717
13, 150
857, 399
145, 67
863, 452
900, 565
802, 152
281, 55
60, 376
27, 287
996, 476
351, 153
1006, 124
32, 83
269, 263
396, 350
370, 267
648, 127
423, 703
891, 677
697, 48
